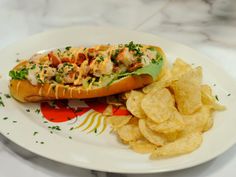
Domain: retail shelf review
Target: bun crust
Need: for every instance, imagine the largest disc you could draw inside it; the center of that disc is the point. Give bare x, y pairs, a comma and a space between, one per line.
24, 91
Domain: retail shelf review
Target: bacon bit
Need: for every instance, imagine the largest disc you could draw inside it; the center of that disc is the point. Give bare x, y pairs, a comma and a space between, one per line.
135, 66
55, 60
81, 58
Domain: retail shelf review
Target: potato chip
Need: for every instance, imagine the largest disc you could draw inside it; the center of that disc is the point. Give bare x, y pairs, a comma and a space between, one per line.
108, 111
133, 104
172, 136
150, 135
179, 68
118, 121
142, 146
158, 85
129, 132
209, 124
187, 91
198, 120
175, 123
183, 145
158, 105
209, 99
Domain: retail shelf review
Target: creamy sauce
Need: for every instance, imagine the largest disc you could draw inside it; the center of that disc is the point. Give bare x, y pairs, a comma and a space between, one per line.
17, 87
56, 91
40, 91
49, 89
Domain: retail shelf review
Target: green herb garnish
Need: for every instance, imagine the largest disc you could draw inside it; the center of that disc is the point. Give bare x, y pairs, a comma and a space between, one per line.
37, 111
55, 127
68, 47
5, 118
7, 95
14, 121
1, 102
135, 48
35, 133
70, 137
27, 110
216, 97
19, 75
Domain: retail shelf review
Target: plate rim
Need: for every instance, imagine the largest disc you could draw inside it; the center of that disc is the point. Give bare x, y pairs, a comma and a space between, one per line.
105, 169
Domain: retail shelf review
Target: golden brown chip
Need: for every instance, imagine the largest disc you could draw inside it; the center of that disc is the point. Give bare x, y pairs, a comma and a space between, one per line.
129, 132
118, 121
150, 135
183, 145
158, 105
175, 123
108, 111
208, 98
133, 104
179, 68
142, 146
209, 124
187, 91
197, 121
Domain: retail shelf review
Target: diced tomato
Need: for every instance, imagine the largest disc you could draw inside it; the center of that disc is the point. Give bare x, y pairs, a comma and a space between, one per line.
135, 66
80, 59
55, 60
65, 59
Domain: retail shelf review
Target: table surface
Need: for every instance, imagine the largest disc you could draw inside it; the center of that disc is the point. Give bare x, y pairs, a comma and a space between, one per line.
209, 26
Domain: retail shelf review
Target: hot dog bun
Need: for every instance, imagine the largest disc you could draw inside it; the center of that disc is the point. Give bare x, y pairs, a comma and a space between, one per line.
24, 91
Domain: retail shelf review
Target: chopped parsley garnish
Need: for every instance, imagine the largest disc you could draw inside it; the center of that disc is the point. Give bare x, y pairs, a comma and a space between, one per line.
35, 133
135, 48
1, 102
19, 75
7, 95
45, 121
17, 60
100, 59
114, 55
71, 128
5, 118
216, 97
58, 78
14, 121
41, 142
70, 137
37, 111
33, 67
27, 110
55, 127
229, 94
68, 47
95, 130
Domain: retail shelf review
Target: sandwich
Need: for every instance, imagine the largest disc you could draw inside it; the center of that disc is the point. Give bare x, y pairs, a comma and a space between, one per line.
86, 72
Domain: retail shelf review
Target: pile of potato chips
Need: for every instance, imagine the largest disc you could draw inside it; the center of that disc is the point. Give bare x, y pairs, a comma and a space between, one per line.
168, 116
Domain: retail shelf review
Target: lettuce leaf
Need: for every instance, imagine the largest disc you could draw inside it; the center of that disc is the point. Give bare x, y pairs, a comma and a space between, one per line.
153, 69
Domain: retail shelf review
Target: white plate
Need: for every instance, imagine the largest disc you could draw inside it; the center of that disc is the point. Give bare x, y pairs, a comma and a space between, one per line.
103, 152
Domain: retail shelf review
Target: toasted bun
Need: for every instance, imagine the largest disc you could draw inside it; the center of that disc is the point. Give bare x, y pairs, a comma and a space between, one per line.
24, 91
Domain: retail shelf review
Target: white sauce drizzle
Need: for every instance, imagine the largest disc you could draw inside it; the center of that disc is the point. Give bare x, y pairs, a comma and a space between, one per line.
56, 91
17, 87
